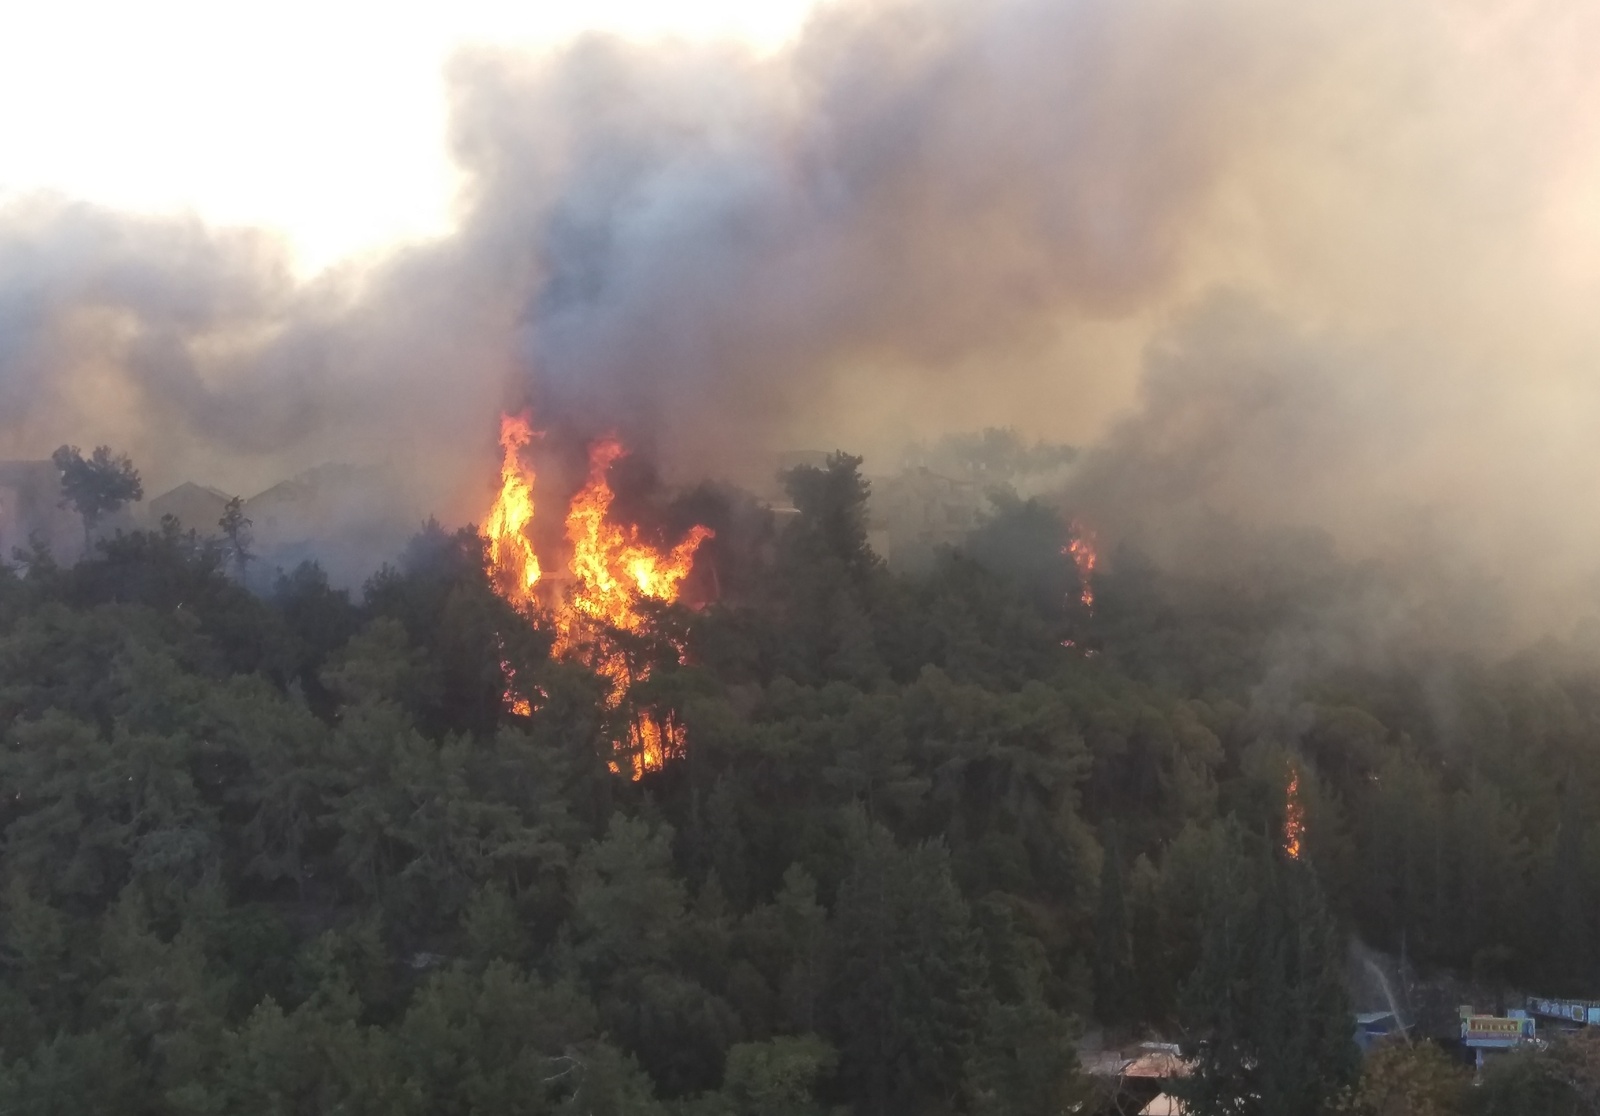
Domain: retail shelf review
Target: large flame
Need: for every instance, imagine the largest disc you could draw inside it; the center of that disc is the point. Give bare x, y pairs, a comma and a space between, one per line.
1294, 816
613, 572
512, 560
614, 569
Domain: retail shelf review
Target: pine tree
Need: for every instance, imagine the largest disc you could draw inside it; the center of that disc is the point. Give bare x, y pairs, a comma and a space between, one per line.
237, 530
1570, 960
1113, 951
1267, 1000
907, 992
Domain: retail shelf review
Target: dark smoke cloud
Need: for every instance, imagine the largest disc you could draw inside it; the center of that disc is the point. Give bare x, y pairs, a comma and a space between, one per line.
914, 184
928, 214
690, 241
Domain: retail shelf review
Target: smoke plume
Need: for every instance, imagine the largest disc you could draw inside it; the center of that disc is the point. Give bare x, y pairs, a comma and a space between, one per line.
1328, 265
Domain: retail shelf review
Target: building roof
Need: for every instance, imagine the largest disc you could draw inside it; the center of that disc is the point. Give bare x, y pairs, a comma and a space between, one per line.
1158, 1063
193, 505
1163, 1105
1152, 1060
309, 485
27, 472
1104, 1063
189, 488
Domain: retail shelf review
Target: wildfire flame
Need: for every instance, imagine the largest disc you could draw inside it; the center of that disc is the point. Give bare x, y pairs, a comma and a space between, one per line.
515, 701
1082, 552
511, 556
614, 570
652, 741
1294, 816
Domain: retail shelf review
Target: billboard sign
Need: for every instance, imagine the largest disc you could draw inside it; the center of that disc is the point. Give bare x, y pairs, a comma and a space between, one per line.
1576, 1011
1495, 1030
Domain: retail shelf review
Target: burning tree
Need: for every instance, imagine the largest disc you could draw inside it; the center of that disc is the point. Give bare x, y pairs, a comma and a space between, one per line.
512, 561
1294, 816
1081, 548
617, 577
96, 485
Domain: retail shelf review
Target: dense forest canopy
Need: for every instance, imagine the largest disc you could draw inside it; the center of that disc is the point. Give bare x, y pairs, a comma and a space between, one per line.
294, 853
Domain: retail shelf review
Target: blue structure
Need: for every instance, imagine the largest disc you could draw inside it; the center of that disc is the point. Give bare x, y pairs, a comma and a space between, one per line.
1584, 1013
1480, 1033
1373, 1026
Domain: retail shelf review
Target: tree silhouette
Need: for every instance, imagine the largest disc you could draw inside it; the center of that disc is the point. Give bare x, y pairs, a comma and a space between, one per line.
97, 485
236, 529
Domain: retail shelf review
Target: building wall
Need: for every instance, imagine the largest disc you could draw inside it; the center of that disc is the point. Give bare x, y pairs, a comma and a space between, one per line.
196, 507
11, 526
916, 511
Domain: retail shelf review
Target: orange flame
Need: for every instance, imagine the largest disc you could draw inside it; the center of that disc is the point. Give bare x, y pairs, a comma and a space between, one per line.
1082, 552
511, 556
514, 701
614, 571
652, 741
1294, 816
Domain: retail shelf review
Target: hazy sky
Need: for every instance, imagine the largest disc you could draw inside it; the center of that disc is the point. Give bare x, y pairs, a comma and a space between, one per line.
324, 119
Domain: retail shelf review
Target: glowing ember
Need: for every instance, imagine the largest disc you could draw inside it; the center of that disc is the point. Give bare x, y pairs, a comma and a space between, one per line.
1294, 816
613, 570
1082, 552
514, 701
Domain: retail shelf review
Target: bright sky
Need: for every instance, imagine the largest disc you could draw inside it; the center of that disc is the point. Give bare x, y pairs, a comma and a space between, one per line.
321, 118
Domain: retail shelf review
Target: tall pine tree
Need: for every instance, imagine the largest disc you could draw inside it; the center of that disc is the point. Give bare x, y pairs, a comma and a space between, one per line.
907, 993
1266, 1001
1113, 949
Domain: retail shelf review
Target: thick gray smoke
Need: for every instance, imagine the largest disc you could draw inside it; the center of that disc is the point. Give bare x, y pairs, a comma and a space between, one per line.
922, 188
1334, 265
